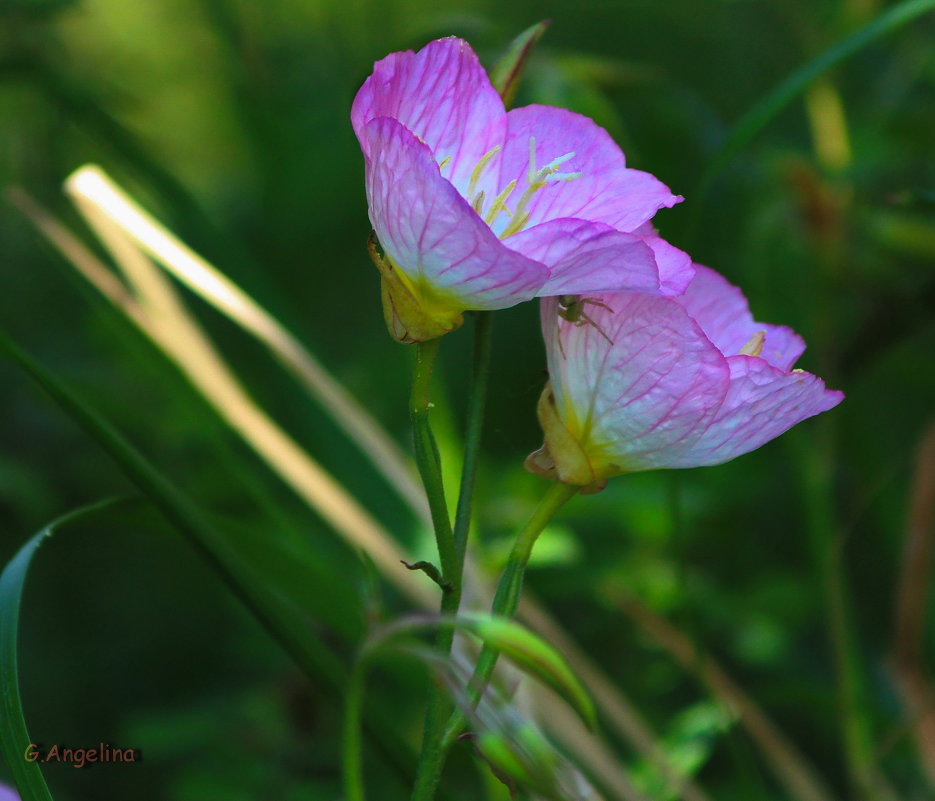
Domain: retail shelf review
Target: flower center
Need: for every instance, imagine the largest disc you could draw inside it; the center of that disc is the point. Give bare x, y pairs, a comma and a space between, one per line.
536, 178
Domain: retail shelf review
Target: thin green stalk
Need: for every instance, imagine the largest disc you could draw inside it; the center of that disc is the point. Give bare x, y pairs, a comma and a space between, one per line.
429, 464
433, 747
509, 590
477, 400
352, 757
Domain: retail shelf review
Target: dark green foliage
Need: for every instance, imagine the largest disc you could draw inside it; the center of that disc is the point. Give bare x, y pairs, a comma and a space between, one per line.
229, 120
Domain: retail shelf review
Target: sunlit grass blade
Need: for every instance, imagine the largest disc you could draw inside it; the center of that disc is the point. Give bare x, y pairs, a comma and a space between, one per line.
14, 737
102, 201
763, 112
619, 711
175, 320
156, 309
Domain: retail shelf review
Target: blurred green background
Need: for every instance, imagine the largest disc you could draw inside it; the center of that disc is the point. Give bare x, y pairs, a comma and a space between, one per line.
228, 119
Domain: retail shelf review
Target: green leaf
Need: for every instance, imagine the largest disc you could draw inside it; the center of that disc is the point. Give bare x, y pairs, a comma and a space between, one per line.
762, 113
253, 567
527, 650
506, 73
14, 737
533, 655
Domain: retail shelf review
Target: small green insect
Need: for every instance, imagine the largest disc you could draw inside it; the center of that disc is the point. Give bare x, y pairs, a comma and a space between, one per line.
571, 308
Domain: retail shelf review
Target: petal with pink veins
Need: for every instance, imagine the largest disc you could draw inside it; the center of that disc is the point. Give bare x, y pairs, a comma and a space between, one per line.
443, 96
585, 257
675, 267
762, 402
432, 234
723, 313
607, 190
638, 386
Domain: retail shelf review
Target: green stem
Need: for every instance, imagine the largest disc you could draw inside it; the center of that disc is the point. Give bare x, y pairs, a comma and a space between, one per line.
433, 751
352, 760
429, 464
509, 589
477, 400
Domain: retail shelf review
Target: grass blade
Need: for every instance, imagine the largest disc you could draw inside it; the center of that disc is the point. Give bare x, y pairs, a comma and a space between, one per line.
106, 206
14, 737
236, 565
763, 112
557, 716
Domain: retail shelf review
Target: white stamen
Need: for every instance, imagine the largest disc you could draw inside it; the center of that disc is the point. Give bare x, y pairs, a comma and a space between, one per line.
537, 179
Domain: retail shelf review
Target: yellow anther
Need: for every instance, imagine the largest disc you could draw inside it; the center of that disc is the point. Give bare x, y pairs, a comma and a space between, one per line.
499, 202
754, 346
478, 202
520, 218
444, 163
479, 169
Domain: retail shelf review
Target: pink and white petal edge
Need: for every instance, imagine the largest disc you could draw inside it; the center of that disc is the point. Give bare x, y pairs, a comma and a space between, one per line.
443, 95
432, 234
586, 258
762, 402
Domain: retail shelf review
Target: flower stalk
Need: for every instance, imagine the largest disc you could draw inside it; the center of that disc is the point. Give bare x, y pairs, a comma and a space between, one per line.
450, 556
477, 400
351, 741
429, 462
433, 747
509, 590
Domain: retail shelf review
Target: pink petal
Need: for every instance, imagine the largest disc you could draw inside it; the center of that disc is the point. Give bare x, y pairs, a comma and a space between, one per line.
762, 403
442, 95
675, 266
607, 190
646, 398
722, 311
431, 232
586, 258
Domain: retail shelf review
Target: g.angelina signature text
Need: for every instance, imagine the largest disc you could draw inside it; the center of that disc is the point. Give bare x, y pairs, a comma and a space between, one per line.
81, 757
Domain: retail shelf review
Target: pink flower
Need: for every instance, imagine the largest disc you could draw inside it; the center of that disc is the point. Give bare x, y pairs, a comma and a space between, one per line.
667, 382
479, 208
